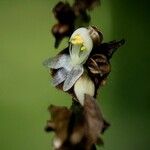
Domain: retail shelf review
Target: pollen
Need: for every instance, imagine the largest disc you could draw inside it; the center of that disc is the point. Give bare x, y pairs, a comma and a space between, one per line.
77, 40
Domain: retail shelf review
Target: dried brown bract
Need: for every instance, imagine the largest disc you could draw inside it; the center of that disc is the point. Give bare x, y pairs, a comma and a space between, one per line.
94, 120
109, 48
99, 65
64, 13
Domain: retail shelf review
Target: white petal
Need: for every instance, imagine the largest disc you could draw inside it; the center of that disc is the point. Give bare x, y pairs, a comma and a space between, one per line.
88, 43
59, 77
84, 86
74, 54
57, 62
72, 77
84, 33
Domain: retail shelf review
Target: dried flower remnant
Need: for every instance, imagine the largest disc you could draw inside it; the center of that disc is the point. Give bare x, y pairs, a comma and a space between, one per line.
98, 64
77, 127
64, 13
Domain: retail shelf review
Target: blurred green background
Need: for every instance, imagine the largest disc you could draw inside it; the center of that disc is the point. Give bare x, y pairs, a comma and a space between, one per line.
25, 89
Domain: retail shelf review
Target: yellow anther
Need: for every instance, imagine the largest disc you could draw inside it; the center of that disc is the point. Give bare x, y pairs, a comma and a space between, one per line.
83, 48
77, 40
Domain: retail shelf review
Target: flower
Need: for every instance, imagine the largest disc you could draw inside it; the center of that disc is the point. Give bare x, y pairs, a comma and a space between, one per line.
70, 66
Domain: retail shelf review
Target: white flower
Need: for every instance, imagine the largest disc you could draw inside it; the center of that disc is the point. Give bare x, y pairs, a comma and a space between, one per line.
70, 66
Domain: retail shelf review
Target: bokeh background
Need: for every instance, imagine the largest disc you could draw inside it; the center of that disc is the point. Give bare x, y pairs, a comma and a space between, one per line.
25, 89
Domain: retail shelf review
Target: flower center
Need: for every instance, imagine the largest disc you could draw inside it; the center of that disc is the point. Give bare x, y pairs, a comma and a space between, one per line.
78, 40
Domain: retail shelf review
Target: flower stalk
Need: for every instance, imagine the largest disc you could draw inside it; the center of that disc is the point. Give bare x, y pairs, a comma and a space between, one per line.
79, 70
